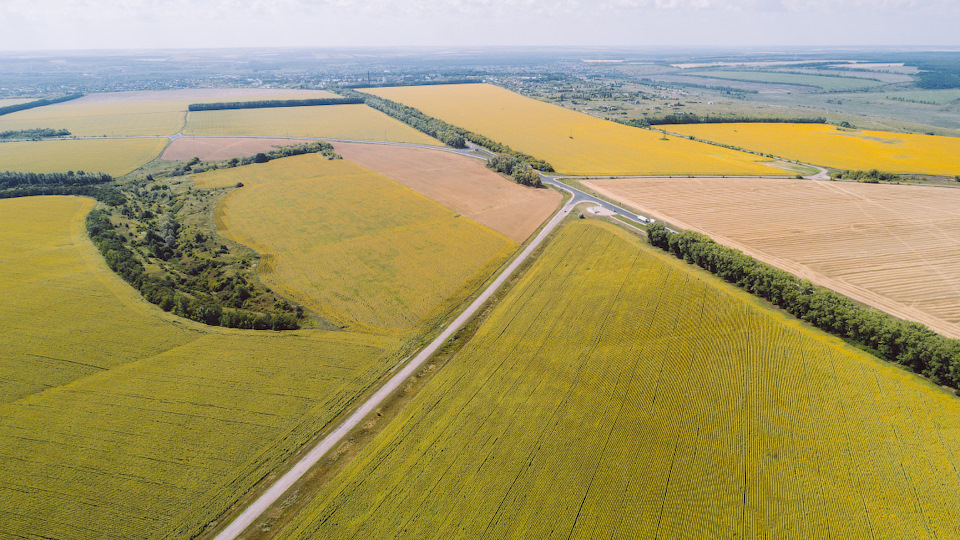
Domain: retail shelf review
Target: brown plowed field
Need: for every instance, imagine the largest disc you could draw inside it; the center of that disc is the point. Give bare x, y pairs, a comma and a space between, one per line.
892, 247
461, 184
216, 148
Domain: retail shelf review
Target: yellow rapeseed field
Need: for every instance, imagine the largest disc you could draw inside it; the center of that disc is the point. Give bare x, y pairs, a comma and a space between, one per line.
830, 146
120, 421
574, 143
617, 392
332, 121
356, 247
112, 156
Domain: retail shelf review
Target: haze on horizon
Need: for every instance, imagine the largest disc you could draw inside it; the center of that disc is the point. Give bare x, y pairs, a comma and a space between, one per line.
146, 24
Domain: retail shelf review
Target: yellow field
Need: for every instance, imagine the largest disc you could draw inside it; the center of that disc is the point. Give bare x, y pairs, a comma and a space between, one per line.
572, 142
617, 392
118, 420
354, 246
112, 156
133, 113
829, 146
333, 121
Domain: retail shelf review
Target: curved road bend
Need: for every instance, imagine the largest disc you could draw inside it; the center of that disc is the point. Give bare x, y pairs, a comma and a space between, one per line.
252, 512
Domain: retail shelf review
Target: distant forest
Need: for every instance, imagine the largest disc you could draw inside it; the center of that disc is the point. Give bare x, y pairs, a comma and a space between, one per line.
38, 103
272, 103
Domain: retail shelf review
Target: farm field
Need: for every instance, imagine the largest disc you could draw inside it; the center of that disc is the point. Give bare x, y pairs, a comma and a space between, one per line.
361, 250
218, 148
617, 392
574, 143
892, 247
6, 102
112, 156
462, 184
332, 121
829, 146
118, 420
118, 114
826, 83
925, 97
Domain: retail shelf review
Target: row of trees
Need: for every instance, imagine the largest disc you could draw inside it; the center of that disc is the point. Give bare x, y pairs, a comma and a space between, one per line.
105, 194
162, 291
272, 103
908, 343
35, 133
448, 134
9, 179
461, 80
691, 118
873, 176
521, 172
194, 165
38, 103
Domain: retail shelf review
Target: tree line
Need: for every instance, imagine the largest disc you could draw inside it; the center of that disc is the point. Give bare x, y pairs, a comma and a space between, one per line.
873, 176
448, 134
38, 103
10, 179
692, 118
194, 165
908, 343
28, 184
272, 103
35, 133
162, 290
462, 80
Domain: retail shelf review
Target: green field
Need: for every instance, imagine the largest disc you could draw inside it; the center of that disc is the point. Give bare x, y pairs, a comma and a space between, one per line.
112, 156
617, 392
825, 83
363, 251
118, 420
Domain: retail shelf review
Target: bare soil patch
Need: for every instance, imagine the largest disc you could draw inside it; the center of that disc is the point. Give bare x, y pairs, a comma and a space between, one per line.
460, 183
892, 247
217, 148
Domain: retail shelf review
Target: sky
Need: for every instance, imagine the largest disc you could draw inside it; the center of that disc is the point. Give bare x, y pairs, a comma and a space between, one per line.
149, 24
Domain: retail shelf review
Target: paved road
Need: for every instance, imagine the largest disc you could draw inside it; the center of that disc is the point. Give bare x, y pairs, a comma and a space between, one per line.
584, 197
252, 512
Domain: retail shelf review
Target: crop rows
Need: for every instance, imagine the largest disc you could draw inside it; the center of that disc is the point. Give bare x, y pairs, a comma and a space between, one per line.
616, 393
355, 246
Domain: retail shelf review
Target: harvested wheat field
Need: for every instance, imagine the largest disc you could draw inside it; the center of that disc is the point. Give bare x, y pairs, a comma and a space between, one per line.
830, 146
892, 247
332, 121
462, 184
119, 420
217, 148
112, 156
574, 143
360, 249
